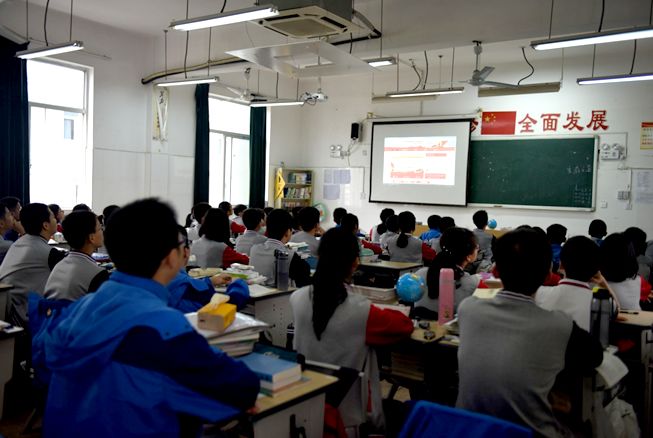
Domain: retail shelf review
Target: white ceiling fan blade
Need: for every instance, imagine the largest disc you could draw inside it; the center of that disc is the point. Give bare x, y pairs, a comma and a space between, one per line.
485, 72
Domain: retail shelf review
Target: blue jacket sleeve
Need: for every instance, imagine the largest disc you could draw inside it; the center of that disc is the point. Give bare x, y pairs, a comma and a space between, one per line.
190, 360
238, 292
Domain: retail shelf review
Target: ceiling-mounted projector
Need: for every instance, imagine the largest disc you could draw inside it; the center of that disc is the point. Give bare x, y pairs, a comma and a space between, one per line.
313, 98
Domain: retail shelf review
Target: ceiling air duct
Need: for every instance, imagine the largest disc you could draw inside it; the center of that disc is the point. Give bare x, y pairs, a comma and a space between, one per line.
311, 18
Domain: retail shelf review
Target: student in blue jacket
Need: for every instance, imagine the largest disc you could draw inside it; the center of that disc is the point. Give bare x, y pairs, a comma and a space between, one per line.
124, 363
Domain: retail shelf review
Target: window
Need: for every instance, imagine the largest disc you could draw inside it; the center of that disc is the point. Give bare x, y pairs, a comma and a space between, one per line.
228, 152
60, 160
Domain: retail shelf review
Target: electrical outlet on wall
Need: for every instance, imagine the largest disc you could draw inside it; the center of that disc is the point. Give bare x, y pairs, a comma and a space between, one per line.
623, 195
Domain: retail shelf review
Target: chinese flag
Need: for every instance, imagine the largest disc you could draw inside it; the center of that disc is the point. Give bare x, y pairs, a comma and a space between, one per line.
499, 123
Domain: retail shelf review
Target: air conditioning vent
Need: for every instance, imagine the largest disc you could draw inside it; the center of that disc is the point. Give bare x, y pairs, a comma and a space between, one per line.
311, 21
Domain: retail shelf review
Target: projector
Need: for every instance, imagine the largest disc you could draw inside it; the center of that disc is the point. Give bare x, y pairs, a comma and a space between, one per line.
312, 98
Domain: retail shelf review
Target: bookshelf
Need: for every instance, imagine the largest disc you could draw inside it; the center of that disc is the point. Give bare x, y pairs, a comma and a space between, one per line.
298, 190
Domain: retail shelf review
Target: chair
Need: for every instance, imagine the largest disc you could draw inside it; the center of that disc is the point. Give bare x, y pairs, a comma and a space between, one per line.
435, 421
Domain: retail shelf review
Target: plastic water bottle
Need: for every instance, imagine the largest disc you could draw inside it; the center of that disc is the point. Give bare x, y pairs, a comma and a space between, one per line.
446, 297
281, 269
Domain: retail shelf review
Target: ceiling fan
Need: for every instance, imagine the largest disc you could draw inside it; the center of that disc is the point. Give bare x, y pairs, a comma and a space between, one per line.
479, 76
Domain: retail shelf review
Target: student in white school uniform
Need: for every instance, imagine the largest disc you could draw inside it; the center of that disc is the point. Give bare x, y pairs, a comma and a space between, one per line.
391, 230
254, 220
309, 221
405, 247
580, 260
377, 231
238, 214
214, 249
197, 216
619, 267
6, 224
484, 261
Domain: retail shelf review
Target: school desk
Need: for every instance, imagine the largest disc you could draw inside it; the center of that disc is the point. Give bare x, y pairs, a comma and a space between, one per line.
7, 343
396, 269
4, 300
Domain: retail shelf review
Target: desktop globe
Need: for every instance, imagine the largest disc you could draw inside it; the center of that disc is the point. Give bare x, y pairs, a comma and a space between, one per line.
492, 224
410, 287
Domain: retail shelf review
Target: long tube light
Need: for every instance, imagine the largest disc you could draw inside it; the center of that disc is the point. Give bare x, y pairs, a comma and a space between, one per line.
615, 78
431, 92
277, 103
54, 49
594, 38
238, 16
188, 81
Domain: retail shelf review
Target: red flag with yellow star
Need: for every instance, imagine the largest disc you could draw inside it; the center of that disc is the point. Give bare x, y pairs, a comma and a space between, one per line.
498, 123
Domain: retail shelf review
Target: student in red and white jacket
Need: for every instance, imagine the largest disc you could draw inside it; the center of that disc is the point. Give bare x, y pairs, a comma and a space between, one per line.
214, 249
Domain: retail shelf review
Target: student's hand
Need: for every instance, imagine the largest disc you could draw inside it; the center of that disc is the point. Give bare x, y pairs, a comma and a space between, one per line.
221, 279
18, 227
600, 280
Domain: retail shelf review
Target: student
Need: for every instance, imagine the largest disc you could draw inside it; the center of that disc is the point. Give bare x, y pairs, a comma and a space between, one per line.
238, 214
484, 260
619, 267
405, 247
377, 232
597, 231
188, 294
279, 229
267, 210
511, 350
150, 373
81, 207
459, 249
214, 249
309, 221
445, 223
254, 220
197, 212
59, 214
338, 214
107, 212
434, 228
349, 223
78, 274
637, 238
335, 326
557, 234
392, 229
14, 206
30, 259
229, 211
294, 212
6, 224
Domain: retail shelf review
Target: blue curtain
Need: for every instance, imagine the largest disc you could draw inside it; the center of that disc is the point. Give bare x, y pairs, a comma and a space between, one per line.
257, 148
14, 122
201, 178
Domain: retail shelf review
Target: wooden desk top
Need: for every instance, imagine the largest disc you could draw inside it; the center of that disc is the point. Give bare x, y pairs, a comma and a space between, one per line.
5, 286
317, 383
392, 265
641, 319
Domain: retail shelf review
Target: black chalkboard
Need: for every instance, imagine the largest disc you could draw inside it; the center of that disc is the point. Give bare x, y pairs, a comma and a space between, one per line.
533, 172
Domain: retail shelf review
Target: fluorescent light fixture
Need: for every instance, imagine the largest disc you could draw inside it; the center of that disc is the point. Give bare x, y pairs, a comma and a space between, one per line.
615, 78
431, 92
546, 87
381, 62
277, 103
238, 16
54, 49
587, 39
188, 81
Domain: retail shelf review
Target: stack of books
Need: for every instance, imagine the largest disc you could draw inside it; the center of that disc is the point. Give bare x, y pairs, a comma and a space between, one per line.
238, 339
377, 295
275, 374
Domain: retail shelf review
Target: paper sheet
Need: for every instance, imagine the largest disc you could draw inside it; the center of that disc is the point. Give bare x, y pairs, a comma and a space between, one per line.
611, 370
343, 176
643, 186
328, 176
331, 192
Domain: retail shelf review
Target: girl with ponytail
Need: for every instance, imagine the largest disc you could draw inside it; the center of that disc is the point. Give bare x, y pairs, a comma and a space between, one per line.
405, 247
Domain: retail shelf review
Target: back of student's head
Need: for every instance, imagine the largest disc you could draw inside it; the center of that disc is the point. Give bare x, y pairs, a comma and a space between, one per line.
252, 218
338, 253
294, 212
523, 259
137, 253
598, 229
556, 233
32, 217
580, 258
77, 226
447, 222
385, 214
309, 218
239, 209
278, 223
457, 244
349, 223
637, 238
200, 209
81, 207
11, 202
55, 209
392, 223
618, 259
338, 214
267, 210
406, 226
216, 226
226, 207
480, 219
108, 211
434, 222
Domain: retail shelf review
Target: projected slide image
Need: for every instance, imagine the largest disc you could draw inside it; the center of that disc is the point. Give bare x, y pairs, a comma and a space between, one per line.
419, 160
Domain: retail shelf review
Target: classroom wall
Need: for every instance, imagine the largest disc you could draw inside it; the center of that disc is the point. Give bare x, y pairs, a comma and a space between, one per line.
627, 106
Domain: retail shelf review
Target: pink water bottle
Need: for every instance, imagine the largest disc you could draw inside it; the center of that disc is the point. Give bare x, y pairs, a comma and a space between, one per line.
446, 299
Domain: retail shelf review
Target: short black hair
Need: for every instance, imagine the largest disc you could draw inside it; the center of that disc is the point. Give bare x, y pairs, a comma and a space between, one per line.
200, 209
338, 214
225, 206
32, 216
392, 223
523, 259
239, 209
598, 229
637, 238
55, 209
278, 223
77, 226
349, 222
309, 218
153, 246
386, 213
447, 222
480, 219
267, 210
108, 211
580, 258
216, 226
556, 233
252, 218
618, 259
11, 202
407, 221
81, 207
434, 221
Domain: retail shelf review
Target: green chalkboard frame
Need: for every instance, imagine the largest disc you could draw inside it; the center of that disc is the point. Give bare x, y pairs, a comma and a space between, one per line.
549, 156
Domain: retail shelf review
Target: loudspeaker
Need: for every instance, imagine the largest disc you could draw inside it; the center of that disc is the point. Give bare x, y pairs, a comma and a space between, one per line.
355, 131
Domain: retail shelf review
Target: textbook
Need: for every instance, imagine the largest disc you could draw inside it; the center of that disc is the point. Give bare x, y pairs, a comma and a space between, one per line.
274, 373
